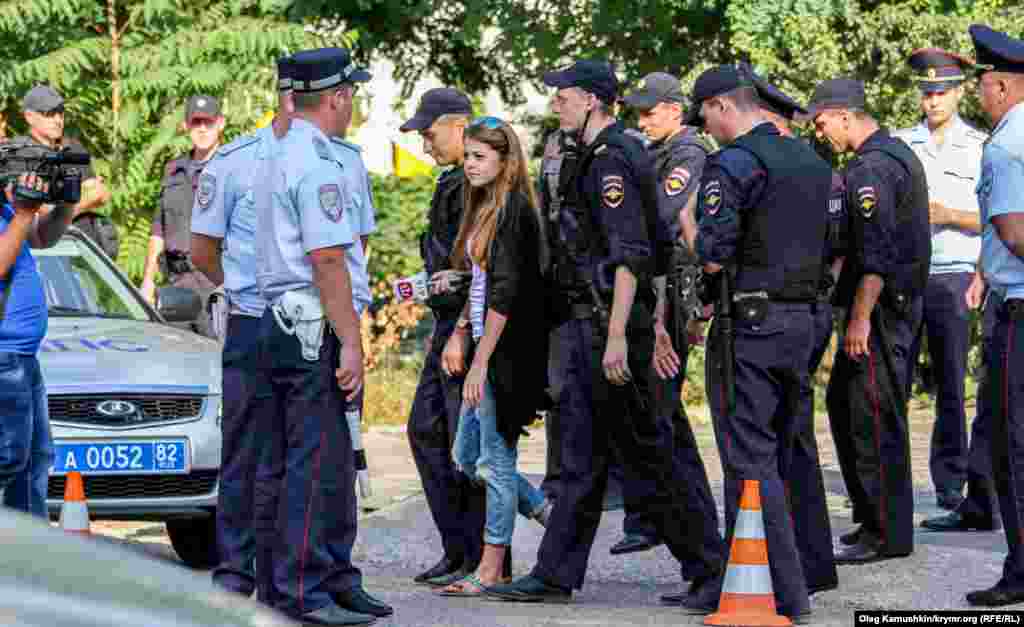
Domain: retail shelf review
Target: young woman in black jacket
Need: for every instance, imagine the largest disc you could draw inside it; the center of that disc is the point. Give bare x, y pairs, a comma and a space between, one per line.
500, 242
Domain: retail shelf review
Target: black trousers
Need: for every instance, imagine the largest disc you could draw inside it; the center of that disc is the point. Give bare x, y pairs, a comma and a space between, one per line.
980, 498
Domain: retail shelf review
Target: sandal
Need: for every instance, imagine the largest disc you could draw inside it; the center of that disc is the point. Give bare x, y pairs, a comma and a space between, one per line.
461, 588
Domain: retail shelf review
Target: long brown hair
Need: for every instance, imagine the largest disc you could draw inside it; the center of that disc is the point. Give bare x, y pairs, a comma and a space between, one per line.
483, 207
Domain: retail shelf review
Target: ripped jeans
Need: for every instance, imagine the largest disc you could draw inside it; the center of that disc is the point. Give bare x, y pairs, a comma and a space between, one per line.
483, 455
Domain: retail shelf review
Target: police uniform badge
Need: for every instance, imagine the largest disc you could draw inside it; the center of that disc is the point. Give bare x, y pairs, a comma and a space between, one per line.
612, 191
867, 201
330, 201
205, 191
677, 181
712, 197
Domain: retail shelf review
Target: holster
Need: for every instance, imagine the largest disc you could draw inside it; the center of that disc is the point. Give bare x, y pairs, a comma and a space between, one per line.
219, 307
301, 314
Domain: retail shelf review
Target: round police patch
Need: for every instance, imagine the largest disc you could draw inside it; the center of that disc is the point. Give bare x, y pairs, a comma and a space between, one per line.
330, 201
712, 197
676, 182
612, 191
205, 191
867, 201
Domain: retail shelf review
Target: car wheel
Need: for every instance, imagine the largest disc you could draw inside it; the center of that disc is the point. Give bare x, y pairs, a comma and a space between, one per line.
195, 541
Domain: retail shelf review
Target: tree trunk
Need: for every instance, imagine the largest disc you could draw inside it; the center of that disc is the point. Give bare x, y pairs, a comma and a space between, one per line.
115, 82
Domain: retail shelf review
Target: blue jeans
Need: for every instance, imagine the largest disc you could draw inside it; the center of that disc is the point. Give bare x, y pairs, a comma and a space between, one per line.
26, 444
482, 454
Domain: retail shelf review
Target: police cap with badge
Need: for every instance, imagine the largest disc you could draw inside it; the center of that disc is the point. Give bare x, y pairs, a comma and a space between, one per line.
996, 51
324, 68
938, 70
285, 70
715, 82
653, 89
594, 76
434, 104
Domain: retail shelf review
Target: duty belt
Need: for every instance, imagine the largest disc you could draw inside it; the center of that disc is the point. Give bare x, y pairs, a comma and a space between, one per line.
1014, 309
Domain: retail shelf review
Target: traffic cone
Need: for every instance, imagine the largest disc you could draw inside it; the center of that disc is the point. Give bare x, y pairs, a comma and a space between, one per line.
747, 595
74, 513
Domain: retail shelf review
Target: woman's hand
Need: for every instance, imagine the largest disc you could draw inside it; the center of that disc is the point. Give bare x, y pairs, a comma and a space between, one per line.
473, 388
453, 359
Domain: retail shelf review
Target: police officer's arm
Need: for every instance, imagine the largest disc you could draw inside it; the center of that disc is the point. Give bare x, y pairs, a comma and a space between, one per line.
1005, 208
729, 181
326, 233
941, 215
210, 221
156, 246
873, 222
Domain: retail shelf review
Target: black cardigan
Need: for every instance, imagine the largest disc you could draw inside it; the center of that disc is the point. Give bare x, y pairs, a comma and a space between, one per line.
517, 371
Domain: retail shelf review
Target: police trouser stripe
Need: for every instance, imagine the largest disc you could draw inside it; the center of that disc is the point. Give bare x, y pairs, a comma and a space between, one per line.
748, 579
875, 394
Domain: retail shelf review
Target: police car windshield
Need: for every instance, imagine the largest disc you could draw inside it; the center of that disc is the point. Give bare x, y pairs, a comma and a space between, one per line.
80, 284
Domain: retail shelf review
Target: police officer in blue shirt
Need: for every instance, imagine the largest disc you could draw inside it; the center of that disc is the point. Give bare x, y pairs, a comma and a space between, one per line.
950, 151
227, 217
604, 343
806, 486
26, 444
311, 271
881, 284
1001, 92
761, 231
678, 153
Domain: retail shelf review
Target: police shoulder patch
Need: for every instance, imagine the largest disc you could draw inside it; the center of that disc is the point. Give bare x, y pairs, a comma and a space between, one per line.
241, 142
867, 201
330, 201
322, 150
712, 197
612, 191
206, 189
341, 142
677, 181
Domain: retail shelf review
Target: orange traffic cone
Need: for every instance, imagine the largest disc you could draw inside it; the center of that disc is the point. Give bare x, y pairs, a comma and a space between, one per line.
74, 513
747, 595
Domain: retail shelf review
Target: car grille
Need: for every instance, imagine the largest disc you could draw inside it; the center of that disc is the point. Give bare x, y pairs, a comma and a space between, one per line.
198, 483
151, 409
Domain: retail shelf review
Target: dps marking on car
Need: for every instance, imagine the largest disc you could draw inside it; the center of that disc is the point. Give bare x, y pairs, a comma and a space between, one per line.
89, 344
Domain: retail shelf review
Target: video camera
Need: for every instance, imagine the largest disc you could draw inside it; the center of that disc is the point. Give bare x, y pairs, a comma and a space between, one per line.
56, 167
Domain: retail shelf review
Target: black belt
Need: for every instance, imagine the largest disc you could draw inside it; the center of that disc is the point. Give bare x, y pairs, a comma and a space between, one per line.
1014, 308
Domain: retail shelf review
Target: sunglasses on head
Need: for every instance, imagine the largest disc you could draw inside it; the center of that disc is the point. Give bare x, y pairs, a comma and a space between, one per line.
488, 121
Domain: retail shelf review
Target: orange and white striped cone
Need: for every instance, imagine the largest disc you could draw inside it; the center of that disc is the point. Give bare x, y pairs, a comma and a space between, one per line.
74, 513
748, 599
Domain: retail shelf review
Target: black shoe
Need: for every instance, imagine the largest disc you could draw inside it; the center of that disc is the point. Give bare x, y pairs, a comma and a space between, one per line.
506, 566
949, 499
676, 598
803, 618
825, 587
359, 601
851, 537
955, 521
996, 596
698, 607
529, 589
447, 580
444, 567
331, 614
867, 550
634, 543
702, 596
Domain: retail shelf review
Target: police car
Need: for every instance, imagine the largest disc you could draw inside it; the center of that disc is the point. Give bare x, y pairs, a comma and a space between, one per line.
134, 400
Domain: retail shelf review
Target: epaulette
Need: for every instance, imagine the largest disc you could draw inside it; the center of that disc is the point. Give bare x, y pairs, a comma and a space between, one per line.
321, 149
975, 134
341, 142
239, 143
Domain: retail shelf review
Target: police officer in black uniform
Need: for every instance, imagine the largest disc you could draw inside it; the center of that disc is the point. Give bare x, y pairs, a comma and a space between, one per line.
604, 340
762, 227
881, 285
678, 153
805, 484
456, 505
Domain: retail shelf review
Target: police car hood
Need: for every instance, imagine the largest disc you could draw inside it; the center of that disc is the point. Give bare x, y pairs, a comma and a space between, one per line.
95, 354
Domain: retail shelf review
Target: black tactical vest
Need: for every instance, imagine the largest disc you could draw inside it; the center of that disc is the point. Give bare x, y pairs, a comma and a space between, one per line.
784, 234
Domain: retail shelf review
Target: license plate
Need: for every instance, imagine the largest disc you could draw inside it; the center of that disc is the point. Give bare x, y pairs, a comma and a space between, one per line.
111, 457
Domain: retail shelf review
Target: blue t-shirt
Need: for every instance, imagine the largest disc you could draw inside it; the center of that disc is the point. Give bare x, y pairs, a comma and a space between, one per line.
24, 325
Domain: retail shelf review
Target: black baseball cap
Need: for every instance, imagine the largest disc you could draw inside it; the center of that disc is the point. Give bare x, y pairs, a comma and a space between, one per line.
838, 93
324, 68
595, 76
42, 99
715, 82
434, 104
202, 106
775, 100
996, 51
654, 88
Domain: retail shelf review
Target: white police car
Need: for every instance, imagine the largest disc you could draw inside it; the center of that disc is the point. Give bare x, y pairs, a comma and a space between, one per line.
134, 401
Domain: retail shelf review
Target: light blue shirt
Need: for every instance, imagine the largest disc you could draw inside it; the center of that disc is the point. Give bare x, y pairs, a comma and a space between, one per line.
236, 176
953, 171
311, 208
1001, 191
357, 181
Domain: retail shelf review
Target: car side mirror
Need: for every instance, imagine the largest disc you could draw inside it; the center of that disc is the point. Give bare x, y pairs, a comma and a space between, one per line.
178, 304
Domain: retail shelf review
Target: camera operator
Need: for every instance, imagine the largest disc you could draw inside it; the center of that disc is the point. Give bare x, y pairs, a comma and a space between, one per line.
43, 108
26, 445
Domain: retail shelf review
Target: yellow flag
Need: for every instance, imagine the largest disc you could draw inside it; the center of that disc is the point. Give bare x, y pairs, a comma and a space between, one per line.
407, 165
